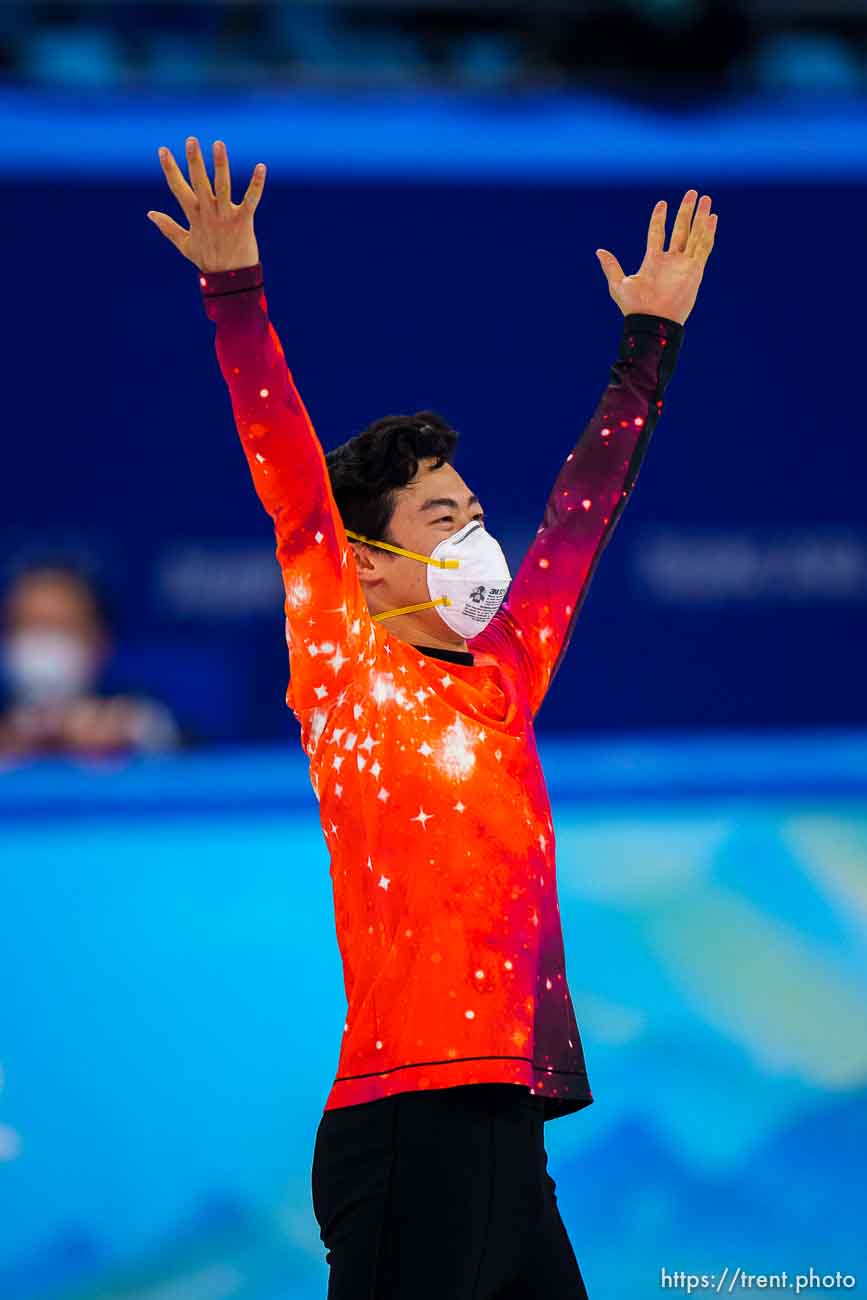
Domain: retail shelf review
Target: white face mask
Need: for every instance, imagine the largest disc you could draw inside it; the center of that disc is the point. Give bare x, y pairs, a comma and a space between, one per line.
468, 577
44, 667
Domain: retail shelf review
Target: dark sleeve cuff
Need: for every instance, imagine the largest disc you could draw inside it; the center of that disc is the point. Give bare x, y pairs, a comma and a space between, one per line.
216, 284
639, 323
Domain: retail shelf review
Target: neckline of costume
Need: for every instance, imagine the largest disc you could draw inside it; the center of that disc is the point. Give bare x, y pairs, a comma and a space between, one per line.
451, 656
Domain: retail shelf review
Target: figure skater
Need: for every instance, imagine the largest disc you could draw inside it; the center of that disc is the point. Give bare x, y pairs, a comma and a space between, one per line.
417, 666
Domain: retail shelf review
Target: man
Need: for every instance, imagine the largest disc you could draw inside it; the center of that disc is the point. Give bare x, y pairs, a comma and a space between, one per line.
429, 1172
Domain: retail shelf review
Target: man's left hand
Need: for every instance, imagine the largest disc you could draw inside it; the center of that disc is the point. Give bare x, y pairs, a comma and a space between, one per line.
666, 283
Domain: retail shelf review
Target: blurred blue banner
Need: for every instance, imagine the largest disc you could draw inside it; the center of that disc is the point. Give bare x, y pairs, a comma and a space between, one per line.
407, 134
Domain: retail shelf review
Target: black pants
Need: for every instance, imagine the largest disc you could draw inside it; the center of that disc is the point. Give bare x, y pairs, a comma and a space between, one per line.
441, 1195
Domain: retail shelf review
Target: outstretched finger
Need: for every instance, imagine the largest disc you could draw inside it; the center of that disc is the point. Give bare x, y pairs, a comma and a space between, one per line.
254, 189
612, 269
700, 226
198, 174
680, 233
177, 184
656, 230
172, 231
222, 180
706, 246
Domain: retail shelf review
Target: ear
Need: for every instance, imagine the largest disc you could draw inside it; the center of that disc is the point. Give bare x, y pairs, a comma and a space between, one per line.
365, 562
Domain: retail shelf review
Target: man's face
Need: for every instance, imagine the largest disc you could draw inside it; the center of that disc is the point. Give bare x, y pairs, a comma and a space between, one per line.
432, 506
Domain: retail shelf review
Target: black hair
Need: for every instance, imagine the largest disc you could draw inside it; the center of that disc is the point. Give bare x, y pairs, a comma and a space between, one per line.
62, 566
366, 470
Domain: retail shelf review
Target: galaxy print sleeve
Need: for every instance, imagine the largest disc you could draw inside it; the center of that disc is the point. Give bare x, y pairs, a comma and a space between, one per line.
291, 479
535, 624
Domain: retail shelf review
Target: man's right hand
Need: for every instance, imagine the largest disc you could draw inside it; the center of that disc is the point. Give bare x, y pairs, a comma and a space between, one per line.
220, 237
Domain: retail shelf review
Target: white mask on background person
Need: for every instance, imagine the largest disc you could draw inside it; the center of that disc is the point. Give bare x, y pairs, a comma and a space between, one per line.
47, 667
468, 577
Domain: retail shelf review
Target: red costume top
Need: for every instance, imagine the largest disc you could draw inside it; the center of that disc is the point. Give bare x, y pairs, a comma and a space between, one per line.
430, 790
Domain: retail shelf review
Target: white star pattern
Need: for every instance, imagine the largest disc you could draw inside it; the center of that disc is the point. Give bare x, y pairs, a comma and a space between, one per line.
317, 726
338, 759
422, 817
384, 882
446, 681
318, 537
383, 795
459, 807
361, 761
455, 755
338, 790
357, 711
421, 695
337, 733
338, 661
375, 769
425, 749
320, 692
368, 743
383, 687
297, 592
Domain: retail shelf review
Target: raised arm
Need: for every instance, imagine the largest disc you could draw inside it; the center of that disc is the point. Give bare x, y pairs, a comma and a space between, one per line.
588, 498
327, 622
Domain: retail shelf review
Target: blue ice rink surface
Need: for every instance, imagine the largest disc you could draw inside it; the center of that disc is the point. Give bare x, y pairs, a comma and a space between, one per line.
173, 1007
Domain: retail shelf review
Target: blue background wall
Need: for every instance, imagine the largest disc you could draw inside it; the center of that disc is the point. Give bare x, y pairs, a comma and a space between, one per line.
413, 259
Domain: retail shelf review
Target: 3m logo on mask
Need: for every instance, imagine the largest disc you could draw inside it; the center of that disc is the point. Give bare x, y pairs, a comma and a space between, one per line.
481, 605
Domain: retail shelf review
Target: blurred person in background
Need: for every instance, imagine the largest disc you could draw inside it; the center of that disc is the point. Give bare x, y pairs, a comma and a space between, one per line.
57, 642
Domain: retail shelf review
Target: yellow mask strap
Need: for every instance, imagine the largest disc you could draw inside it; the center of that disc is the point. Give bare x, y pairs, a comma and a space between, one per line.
413, 555
411, 609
